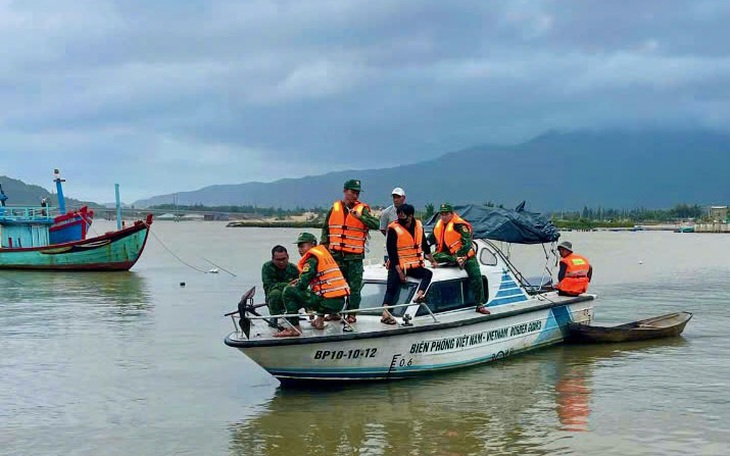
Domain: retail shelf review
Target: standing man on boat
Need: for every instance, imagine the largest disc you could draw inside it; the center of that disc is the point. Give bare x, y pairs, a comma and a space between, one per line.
407, 247
320, 286
390, 213
453, 245
345, 233
575, 272
276, 275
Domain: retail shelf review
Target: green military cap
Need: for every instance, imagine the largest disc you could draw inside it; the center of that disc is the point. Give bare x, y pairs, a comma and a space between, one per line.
446, 207
353, 184
306, 237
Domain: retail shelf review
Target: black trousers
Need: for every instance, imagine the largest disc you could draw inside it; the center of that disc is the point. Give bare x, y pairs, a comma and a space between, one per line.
392, 289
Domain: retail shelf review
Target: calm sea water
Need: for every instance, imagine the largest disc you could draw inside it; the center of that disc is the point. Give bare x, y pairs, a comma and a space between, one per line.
134, 363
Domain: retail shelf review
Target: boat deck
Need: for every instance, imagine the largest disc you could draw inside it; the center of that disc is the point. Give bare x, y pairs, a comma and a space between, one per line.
368, 323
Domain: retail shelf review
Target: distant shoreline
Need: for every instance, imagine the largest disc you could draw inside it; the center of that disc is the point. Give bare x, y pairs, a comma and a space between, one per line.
569, 228
272, 224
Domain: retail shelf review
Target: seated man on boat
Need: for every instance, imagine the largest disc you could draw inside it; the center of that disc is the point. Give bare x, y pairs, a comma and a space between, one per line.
452, 236
276, 275
575, 272
321, 286
406, 246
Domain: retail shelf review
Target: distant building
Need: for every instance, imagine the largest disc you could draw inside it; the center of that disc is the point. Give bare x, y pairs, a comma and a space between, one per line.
718, 213
217, 216
192, 217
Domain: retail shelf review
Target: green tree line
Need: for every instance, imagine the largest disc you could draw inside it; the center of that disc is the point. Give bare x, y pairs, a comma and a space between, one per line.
587, 218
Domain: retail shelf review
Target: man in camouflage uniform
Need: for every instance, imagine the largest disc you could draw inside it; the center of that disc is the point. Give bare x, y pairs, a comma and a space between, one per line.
275, 275
300, 293
350, 262
464, 256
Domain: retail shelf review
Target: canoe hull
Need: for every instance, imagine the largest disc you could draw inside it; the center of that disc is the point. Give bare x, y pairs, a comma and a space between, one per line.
115, 251
418, 350
669, 325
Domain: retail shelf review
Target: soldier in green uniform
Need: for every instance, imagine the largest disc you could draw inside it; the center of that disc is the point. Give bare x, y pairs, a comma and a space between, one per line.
320, 286
345, 232
275, 275
453, 236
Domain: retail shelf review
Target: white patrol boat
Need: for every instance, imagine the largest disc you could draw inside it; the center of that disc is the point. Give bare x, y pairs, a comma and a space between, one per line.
445, 332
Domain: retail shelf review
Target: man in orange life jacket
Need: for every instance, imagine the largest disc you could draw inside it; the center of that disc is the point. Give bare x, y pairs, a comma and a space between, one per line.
345, 233
453, 245
320, 286
406, 247
575, 272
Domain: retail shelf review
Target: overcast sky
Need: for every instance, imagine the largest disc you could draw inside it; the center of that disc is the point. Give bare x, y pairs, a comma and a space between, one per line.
173, 95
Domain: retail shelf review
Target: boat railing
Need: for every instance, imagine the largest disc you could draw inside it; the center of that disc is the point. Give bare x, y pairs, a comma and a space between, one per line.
524, 282
273, 318
27, 213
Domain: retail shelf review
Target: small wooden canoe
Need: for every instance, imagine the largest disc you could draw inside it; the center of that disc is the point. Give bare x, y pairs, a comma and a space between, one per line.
669, 325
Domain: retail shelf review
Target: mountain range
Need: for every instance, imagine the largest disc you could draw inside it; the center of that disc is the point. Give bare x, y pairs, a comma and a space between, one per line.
21, 194
555, 171
552, 172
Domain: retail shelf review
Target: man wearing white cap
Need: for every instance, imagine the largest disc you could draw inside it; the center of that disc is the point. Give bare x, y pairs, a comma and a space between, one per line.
390, 213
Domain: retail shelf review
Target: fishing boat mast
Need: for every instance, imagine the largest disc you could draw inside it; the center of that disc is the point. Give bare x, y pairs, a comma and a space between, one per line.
59, 189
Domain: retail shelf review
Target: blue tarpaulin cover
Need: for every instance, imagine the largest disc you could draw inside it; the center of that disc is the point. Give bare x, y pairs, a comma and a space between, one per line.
507, 225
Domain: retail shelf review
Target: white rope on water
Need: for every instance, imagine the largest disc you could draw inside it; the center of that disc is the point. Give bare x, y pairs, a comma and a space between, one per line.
219, 267
170, 251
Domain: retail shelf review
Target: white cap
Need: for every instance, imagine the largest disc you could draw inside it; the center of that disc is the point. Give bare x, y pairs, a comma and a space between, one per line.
398, 191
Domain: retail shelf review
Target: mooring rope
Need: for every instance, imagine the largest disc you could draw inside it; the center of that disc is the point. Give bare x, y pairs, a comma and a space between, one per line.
219, 267
170, 251
15, 282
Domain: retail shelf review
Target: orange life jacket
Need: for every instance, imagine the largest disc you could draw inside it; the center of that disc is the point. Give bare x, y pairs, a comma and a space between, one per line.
346, 233
410, 253
575, 281
329, 281
449, 239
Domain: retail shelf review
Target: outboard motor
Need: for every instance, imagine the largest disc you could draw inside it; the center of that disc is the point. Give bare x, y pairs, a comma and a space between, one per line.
243, 305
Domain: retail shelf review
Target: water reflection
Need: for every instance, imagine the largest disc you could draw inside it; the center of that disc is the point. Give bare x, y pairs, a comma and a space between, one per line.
55, 297
527, 405
119, 287
574, 377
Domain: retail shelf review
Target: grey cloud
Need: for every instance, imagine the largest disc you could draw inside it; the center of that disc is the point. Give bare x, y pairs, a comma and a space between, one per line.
287, 88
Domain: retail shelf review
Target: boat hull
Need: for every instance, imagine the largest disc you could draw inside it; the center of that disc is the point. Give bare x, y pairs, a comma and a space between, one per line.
115, 251
670, 325
414, 351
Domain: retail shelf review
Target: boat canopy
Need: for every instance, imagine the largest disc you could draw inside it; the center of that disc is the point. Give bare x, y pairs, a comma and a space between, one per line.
517, 225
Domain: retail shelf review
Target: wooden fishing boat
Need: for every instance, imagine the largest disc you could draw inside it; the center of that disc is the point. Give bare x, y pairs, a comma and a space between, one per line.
114, 251
669, 325
39, 238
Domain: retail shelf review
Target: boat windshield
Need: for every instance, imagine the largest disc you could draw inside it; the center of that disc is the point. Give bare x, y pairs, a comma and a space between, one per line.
372, 297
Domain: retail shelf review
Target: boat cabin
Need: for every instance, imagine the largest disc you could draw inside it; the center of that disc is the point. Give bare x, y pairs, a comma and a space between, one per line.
44, 225
22, 227
450, 289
